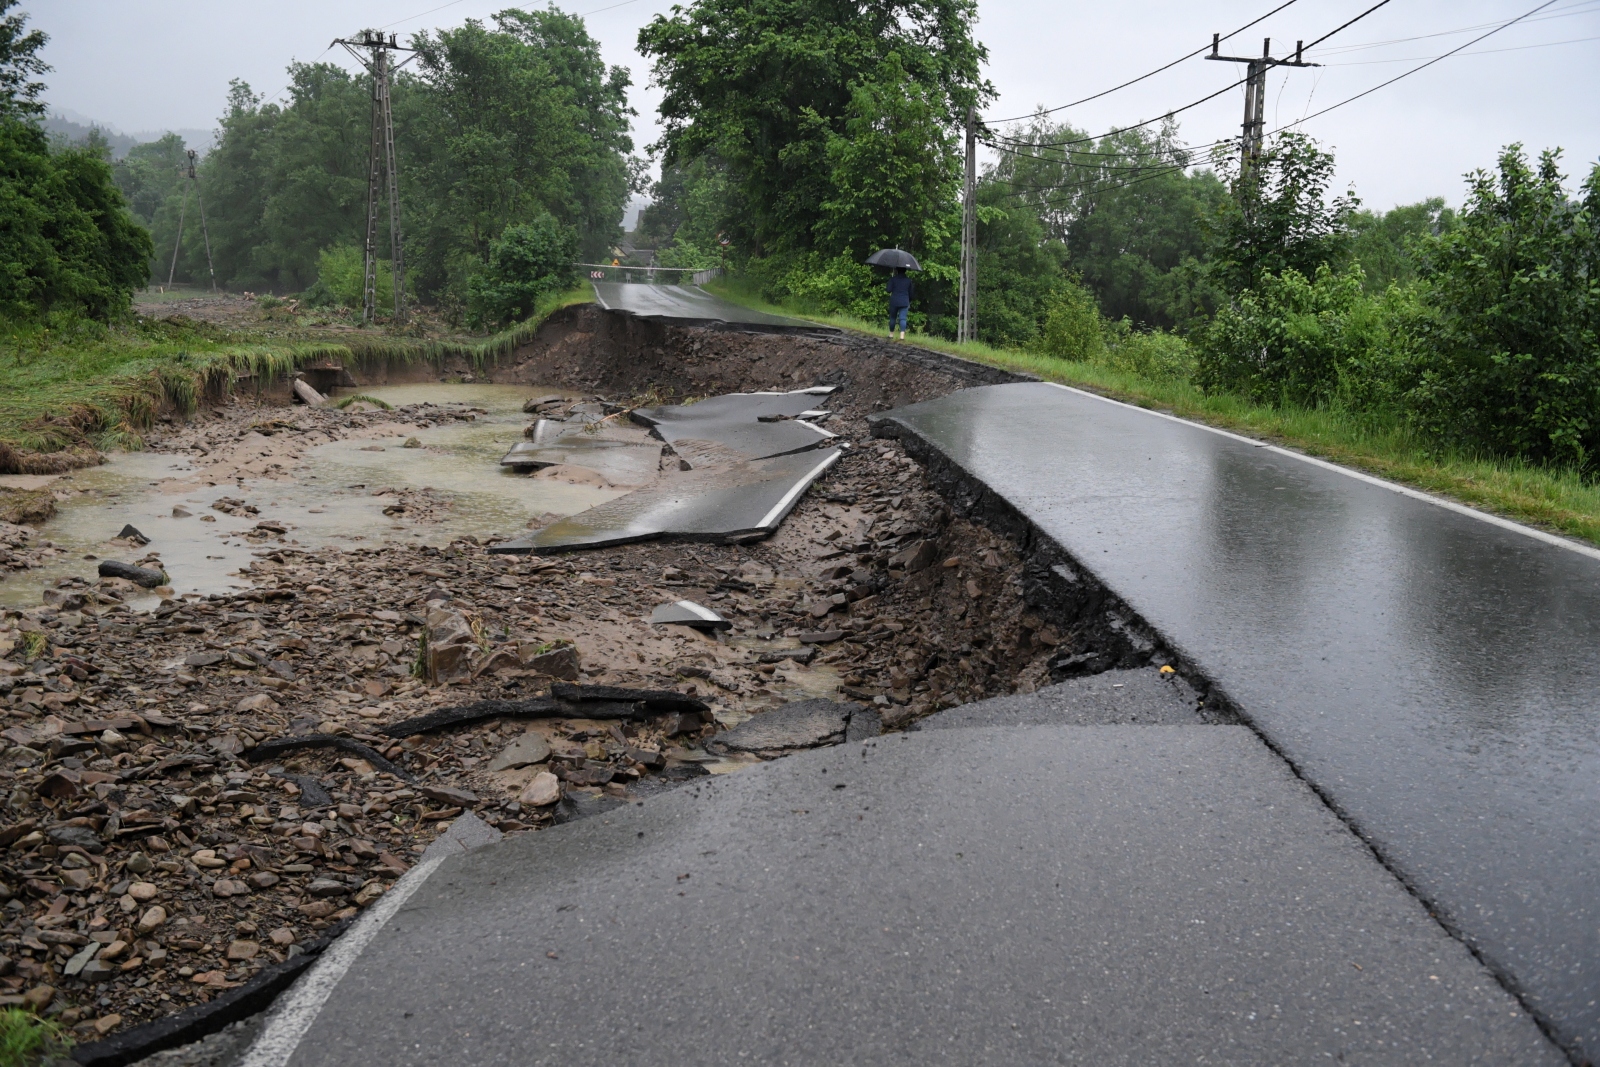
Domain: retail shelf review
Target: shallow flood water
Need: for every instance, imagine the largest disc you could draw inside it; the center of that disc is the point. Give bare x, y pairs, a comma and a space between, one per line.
326, 498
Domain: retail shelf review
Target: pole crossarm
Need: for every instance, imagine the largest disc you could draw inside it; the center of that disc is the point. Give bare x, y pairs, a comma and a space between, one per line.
1255, 91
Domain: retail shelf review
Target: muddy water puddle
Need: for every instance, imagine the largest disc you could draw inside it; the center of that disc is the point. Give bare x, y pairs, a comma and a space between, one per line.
326, 498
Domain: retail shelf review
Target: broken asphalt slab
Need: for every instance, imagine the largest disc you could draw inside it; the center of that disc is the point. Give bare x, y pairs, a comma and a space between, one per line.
1107, 895
755, 478
1115, 697
1427, 668
801, 724
734, 502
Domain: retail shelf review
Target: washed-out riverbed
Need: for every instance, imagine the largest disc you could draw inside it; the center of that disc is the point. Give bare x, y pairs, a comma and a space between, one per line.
306, 615
325, 496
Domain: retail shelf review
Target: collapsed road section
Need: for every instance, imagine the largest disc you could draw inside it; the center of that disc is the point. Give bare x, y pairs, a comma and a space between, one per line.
737, 465
1424, 666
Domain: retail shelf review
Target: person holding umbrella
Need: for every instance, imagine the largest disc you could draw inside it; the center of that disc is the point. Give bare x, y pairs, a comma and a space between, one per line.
901, 287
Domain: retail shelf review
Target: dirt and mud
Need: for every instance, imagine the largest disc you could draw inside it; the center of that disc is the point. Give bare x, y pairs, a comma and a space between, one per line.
153, 860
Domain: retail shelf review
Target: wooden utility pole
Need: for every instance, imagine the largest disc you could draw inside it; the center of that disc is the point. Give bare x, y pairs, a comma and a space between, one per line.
1255, 94
381, 169
967, 296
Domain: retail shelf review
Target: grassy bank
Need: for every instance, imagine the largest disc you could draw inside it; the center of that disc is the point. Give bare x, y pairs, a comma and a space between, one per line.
65, 396
1551, 498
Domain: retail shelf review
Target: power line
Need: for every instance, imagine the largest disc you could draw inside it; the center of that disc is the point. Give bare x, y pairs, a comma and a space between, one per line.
1352, 22
1204, 99
1415, 69
1152, 74
1484, 52
1582, 7
430, 11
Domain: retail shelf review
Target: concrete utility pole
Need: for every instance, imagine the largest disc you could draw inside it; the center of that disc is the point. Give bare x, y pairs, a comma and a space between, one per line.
967, 297
1255, 93
381, 169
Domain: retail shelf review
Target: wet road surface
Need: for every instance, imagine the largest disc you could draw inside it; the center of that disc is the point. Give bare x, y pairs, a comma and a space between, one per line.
1430, 672
1097, 895
690, 305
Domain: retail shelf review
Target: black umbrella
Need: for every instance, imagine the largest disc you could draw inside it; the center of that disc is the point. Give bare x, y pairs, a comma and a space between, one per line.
894, 257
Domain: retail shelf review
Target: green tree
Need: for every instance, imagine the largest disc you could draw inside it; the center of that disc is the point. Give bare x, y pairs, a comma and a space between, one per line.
149, 175
529, 260
1129, 209
19, 62
690, 205
1279, 218
773, 86
68, 244
1385, 243
1020, 272
1512, 358
508, 124
501, 124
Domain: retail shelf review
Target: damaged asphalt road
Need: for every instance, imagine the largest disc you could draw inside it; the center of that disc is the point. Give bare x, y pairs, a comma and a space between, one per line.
1105, 895
138, 728
1061, 848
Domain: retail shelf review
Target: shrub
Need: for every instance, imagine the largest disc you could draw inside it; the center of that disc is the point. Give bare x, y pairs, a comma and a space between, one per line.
1073, 329
825, 285
686, 254
1286, 339
341, 280
1513, 345
1152, 354
529, 260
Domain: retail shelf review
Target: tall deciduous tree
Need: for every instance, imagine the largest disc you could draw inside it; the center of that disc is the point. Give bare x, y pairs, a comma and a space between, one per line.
1280, 217
19, 63
502, 124
1513, 355
1128, 206
776, 88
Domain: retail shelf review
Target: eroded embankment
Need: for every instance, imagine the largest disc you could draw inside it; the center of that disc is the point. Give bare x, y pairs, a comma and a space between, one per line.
154, 829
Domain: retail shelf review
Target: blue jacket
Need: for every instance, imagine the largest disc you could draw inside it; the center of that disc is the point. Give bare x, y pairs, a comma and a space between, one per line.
900, 289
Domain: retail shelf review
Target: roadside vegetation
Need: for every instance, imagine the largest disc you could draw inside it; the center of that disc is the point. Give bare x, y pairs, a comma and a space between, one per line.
26, 1040
1456, 349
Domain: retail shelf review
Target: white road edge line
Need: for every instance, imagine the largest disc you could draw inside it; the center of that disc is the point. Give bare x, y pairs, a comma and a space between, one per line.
782, 506
1403, 490
297, 1009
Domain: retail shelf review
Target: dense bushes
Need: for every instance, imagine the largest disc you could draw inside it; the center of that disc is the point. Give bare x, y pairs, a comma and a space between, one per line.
68, 244
1495, 346
529, 260
1513, 351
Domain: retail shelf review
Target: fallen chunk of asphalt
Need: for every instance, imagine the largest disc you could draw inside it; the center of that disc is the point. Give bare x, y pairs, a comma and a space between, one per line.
202, 1020
799, 655
654, 699
688, 613
312, 793
270, 749
111, 568
803, 724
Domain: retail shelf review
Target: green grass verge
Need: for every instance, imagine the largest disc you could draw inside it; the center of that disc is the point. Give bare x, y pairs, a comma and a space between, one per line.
1553, 498
26, 1039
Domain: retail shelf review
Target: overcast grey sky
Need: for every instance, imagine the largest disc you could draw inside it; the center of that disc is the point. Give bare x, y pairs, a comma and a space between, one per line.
142, 65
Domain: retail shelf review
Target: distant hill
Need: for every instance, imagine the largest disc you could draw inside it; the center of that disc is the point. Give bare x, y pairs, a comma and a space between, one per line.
74, 127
